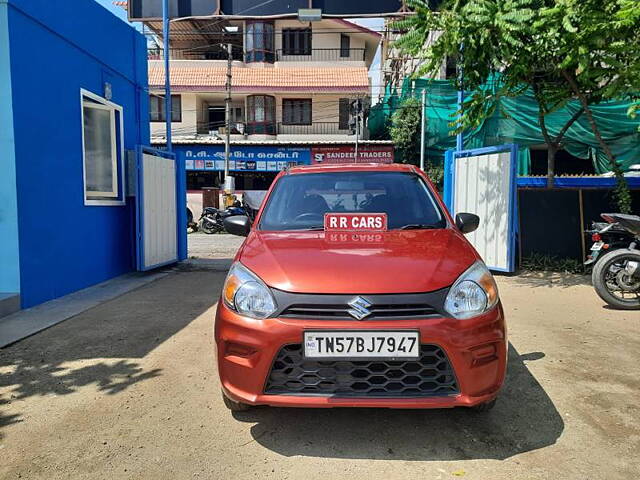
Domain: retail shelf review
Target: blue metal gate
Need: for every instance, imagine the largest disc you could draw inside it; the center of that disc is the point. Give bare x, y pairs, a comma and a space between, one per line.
483, 181
160, 209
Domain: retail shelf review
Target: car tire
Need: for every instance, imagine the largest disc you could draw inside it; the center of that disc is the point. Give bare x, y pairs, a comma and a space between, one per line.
233, 405
484, 407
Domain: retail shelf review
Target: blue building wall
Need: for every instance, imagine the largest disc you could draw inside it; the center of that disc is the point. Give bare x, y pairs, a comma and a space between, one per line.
9, 254
57, 49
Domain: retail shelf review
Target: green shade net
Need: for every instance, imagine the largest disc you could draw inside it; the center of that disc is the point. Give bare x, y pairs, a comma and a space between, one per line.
515, 120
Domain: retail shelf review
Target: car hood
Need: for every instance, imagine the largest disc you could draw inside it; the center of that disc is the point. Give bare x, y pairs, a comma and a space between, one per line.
410, 261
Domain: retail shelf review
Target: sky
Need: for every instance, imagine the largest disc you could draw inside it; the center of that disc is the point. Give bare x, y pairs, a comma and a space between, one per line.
119, 11
372, 23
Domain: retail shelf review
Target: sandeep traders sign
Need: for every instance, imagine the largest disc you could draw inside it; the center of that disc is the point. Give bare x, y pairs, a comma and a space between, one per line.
347, 154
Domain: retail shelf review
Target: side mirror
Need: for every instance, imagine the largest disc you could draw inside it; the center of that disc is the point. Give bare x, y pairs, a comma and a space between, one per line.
237, 225
467, 222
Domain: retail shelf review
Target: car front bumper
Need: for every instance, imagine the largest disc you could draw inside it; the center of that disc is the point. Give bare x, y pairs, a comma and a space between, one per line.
246, 349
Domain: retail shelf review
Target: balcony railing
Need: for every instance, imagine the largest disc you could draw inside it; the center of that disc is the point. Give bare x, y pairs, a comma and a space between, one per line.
315, 55
268, 128
322, 55
194, 53
316, 128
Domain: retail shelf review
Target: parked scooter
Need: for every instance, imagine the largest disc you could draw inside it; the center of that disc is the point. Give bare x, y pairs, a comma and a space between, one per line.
616, 260
212, 219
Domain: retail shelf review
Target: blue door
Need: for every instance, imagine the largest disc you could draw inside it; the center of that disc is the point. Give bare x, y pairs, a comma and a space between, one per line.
160, 209
483, 181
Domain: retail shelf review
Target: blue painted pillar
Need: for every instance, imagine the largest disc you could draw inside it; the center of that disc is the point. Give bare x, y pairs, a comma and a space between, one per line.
447, 195
9, 244
168, 104
181, 174
181, 195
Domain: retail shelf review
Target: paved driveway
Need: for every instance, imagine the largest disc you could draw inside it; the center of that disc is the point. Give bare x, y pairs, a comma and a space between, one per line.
214, 246
129, 390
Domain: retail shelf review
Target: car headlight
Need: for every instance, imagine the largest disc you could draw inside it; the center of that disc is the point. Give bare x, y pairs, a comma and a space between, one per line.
246, 294
474, 293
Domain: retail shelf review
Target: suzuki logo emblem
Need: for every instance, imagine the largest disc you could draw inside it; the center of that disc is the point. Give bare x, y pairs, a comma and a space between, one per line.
360, 308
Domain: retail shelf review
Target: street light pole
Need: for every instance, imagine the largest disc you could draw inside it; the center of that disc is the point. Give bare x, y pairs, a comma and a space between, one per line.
460, 72
168, 107
228, 181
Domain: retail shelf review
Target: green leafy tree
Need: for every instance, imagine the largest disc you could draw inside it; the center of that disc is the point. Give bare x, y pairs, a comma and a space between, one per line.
405, 130
559, 48
494, 44
599, 51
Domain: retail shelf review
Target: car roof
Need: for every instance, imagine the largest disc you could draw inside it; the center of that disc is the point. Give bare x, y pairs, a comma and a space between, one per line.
352, 167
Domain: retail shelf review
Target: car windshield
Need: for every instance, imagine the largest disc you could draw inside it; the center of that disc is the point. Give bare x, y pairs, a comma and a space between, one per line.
300, 201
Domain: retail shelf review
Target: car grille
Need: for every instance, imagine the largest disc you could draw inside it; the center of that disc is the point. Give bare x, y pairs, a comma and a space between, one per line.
382, 307
429, 376
341, 311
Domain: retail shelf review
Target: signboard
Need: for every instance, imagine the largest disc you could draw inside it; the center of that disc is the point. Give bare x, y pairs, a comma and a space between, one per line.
355, 222
152, 9
243, 159
347, 154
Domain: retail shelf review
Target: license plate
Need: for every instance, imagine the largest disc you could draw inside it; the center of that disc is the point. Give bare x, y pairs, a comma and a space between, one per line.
597, 246
361, 344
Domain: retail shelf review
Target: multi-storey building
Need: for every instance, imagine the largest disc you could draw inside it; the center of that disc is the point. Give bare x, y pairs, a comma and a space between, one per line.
294, 90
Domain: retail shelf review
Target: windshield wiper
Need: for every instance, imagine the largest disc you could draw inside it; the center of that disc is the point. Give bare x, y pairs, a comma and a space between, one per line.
419, 226
316, 228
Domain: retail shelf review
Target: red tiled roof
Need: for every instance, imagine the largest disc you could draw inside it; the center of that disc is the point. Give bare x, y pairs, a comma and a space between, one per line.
308, 79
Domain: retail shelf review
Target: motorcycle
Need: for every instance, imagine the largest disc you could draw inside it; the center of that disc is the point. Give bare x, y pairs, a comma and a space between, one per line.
211, 220
616, 260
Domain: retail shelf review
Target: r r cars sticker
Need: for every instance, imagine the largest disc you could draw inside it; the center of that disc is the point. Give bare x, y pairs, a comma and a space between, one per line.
355, 222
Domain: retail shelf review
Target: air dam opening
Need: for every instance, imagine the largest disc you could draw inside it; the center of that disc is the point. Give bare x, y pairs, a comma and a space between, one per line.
430, 376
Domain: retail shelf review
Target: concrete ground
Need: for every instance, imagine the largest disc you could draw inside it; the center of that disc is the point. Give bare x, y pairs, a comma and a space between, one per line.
213, 246
129, 389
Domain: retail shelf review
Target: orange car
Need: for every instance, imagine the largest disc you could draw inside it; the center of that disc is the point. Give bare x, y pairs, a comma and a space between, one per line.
356, 288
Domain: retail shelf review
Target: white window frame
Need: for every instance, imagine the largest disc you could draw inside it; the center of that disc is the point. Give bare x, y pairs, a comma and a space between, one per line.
112, 198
